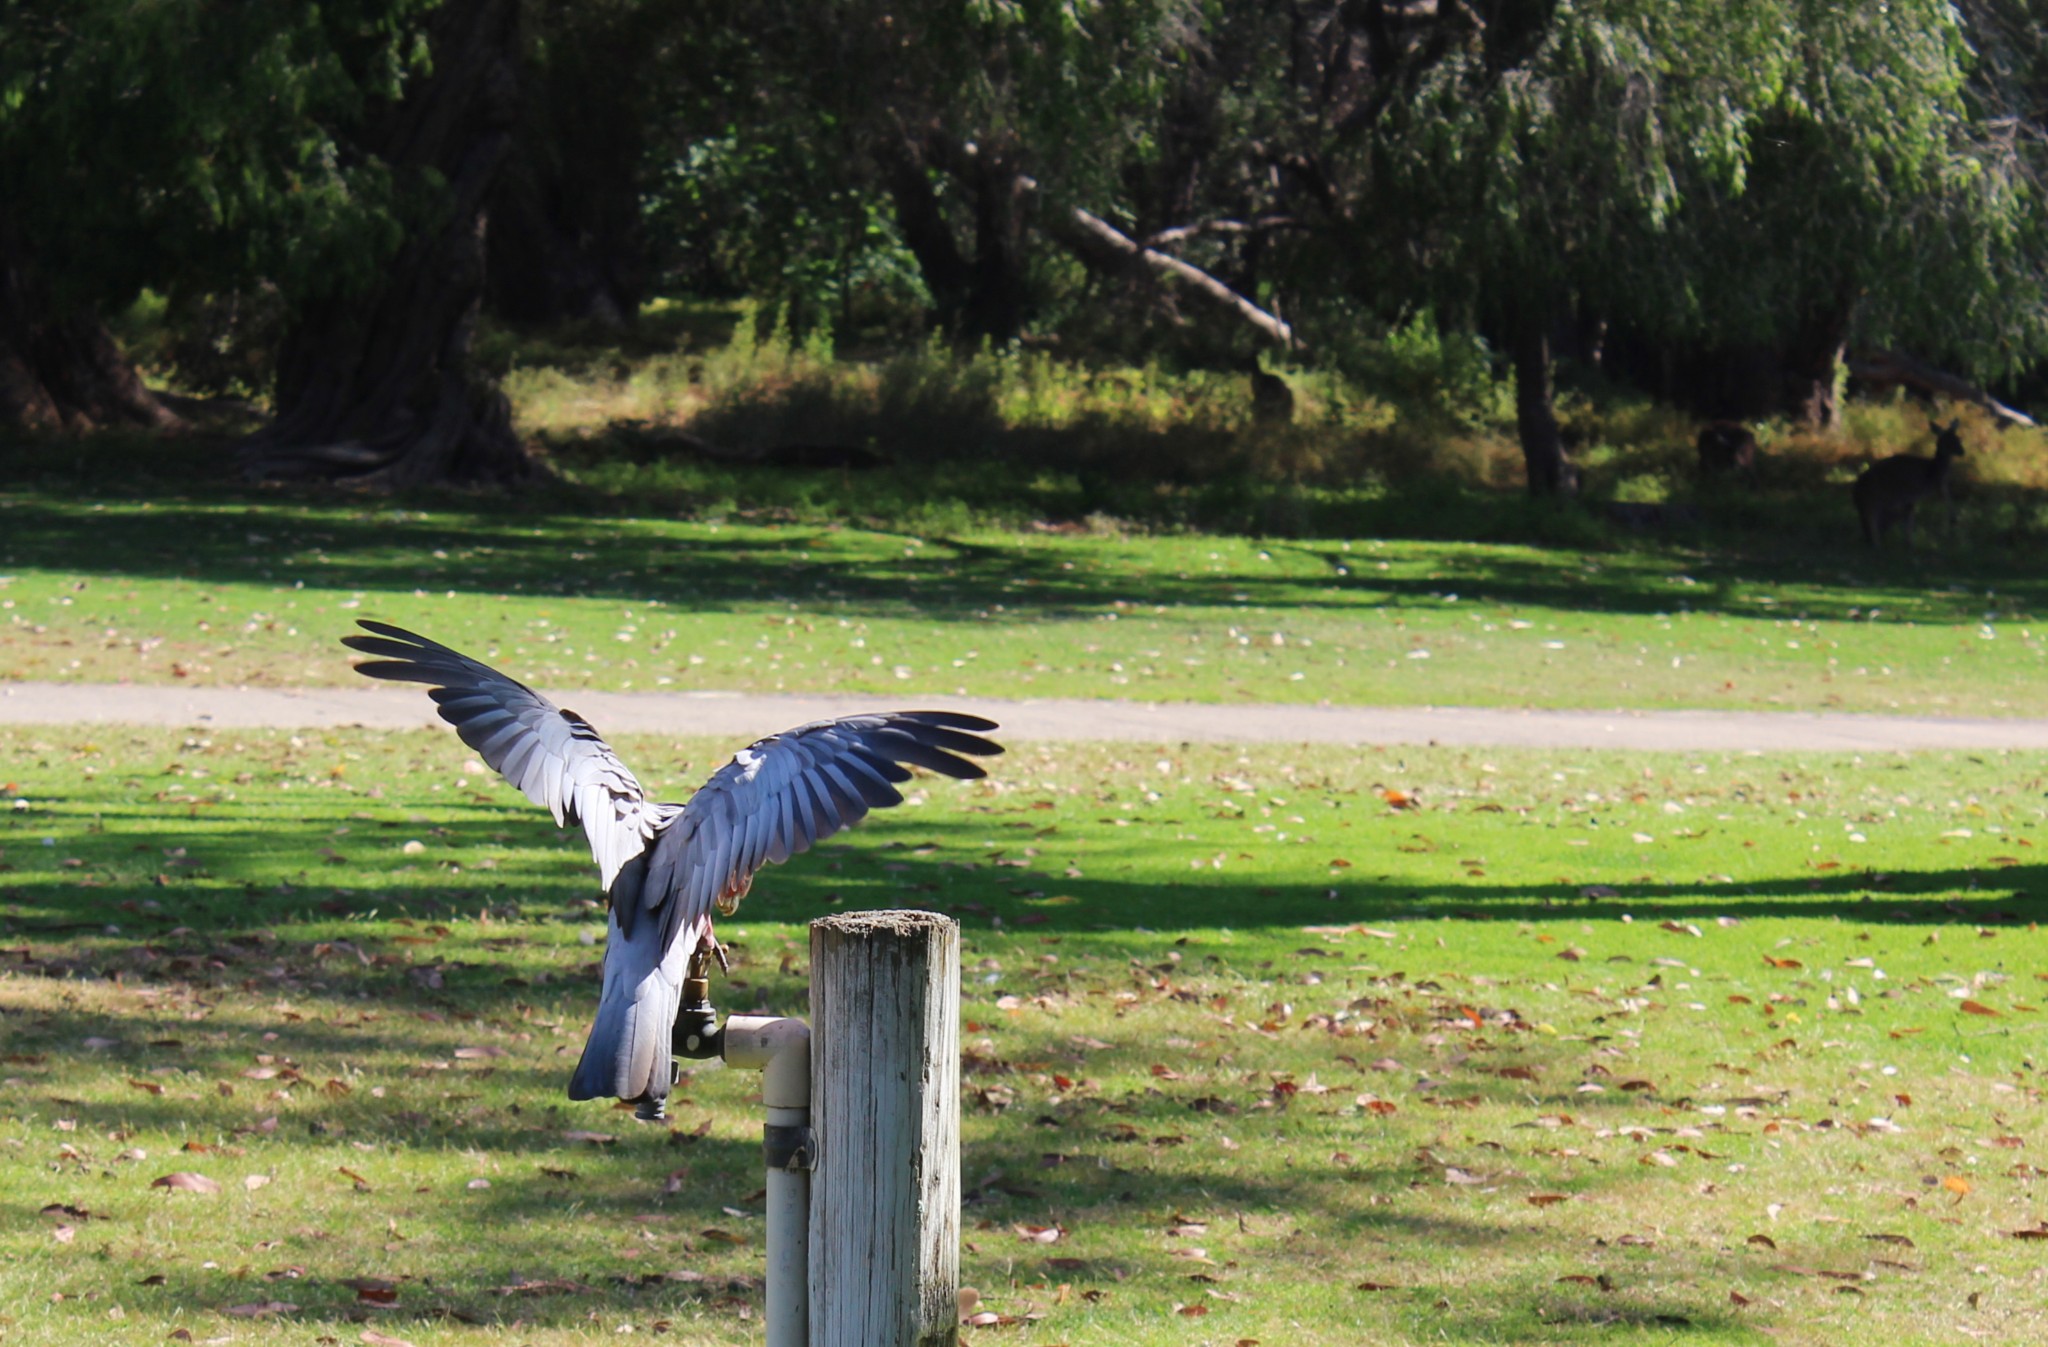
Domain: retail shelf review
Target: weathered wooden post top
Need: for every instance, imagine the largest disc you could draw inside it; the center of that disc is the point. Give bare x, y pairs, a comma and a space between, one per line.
885, 1089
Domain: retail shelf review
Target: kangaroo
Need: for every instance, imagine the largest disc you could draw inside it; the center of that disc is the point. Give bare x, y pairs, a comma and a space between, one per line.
1727, 447
1889, 488
1272, 399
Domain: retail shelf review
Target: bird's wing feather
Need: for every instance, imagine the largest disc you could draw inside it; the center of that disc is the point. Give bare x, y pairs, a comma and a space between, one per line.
552, 755
780, 796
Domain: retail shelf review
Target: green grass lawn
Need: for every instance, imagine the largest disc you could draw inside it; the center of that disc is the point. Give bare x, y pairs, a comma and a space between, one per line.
894, 593
1565, 1048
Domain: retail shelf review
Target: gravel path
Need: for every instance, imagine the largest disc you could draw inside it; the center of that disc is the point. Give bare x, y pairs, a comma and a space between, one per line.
738, 716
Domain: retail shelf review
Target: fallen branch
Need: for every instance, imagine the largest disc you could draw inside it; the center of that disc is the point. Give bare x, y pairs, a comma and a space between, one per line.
1181, 233
1105, 237
1892, 369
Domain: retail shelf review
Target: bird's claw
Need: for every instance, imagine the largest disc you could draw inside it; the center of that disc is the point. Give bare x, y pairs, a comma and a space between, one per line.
700, 959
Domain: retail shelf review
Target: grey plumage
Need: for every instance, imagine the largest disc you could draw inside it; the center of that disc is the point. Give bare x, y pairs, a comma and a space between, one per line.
667, 867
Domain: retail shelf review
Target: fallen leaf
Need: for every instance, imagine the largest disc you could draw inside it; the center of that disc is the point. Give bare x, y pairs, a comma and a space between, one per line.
186, 1183
536, 1286
1546, 1199
1977, 1008
376, 1339
260, 1309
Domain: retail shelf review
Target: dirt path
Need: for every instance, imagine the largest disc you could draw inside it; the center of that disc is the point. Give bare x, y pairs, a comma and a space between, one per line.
740, 717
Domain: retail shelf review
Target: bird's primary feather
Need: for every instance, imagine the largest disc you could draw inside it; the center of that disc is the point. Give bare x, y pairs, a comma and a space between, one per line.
667, 867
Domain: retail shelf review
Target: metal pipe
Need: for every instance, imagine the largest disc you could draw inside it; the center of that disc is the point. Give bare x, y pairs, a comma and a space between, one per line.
781, 1050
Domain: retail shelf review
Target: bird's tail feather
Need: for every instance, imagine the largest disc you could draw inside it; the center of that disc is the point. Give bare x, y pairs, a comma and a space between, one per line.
627, 1054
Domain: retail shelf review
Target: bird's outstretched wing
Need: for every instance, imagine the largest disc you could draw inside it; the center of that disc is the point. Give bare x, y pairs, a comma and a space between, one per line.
551, 754
781, 794
773, 800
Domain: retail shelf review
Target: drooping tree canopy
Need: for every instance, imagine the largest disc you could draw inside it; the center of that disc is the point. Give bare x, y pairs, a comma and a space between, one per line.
178, 146
1738, 192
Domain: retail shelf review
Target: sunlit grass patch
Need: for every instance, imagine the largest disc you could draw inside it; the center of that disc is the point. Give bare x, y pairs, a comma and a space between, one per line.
201, 590
1293, 1045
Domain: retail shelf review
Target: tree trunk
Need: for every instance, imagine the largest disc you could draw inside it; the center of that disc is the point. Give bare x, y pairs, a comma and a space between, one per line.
61, 370
979, 297
925, 231
1550, 472
997, 299
1811, 359
377, 388
556, 255
565, 241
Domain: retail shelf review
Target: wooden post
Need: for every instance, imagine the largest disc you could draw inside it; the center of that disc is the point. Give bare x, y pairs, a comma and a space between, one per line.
885, 1104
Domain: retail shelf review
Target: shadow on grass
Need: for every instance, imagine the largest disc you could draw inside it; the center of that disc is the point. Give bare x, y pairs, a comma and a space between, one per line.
143, 867
402, 993
568, 541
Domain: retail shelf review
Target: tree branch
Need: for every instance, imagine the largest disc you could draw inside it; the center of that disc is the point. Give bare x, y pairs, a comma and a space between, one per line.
1265, 224
1888, 369
1100, 237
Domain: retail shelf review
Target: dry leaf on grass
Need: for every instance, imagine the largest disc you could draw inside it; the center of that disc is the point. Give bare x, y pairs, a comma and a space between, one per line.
261, 1309
186, 1183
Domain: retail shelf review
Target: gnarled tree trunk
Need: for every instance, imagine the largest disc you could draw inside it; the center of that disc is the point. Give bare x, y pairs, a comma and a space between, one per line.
376, 388
1812, 358
60, 369
1550, 472
565, 241
985, 294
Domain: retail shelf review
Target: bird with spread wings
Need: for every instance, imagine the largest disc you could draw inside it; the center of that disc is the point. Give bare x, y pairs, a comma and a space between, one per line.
666, 867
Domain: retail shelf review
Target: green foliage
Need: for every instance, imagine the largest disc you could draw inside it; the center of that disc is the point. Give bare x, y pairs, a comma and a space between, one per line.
184, 144
209, 344
768, 219
1446, 374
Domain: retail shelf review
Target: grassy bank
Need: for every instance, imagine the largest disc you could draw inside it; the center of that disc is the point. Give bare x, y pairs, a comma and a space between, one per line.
218, 585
